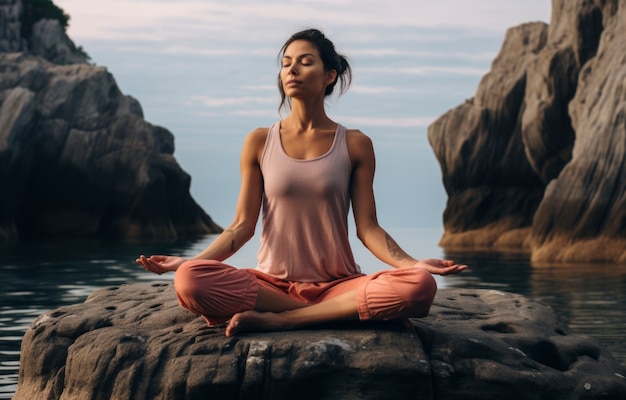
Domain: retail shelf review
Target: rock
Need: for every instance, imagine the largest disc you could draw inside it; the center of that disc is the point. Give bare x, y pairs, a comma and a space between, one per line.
583, 212
492, 188
10, 26
135, 342
535, 160
77, 159
49, 41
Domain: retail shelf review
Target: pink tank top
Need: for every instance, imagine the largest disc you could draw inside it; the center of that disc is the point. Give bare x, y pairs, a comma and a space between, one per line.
304, 236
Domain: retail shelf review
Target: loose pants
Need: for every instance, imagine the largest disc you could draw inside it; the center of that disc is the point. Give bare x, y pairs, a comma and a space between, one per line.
217, 291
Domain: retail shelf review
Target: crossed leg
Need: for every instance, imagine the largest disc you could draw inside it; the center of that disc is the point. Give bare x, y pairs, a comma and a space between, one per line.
222, 293
273, 314
391, 294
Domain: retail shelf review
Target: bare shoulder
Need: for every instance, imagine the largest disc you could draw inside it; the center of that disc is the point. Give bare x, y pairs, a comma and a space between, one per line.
257, 135
356, 137
359, 144
256, 138
254, 143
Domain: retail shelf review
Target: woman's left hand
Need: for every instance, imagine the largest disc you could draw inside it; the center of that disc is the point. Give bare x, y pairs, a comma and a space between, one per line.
440, 267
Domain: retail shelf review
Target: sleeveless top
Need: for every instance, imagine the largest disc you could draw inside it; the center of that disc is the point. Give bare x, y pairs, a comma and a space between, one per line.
305, 208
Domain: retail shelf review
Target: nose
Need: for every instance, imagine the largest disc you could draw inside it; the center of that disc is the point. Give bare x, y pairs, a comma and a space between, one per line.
292, 69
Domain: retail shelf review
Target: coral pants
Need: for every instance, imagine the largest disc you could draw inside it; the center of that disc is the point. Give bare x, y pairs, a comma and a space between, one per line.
217, 291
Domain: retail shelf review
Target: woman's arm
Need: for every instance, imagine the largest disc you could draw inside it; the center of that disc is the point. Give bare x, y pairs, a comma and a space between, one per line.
371, 234
246, 213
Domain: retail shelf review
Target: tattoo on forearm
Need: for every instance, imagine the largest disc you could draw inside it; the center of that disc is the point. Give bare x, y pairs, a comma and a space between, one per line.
395, 250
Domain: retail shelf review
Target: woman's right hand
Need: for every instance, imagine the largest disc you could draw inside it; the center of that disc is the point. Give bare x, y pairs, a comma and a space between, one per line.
160, 264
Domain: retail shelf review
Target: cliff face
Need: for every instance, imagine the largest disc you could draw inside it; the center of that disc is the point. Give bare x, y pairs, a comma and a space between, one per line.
535, 160
76, 156
10, 26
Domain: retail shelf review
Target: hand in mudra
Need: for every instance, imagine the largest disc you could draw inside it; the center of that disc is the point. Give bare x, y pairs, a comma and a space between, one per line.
160, 264
440, 267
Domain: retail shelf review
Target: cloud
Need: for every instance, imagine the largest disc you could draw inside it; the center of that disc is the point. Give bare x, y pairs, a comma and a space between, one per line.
422, 54
271, 88
259, 21
398, 122
364, 89
255, 113
213, 102
427, 70
267, 114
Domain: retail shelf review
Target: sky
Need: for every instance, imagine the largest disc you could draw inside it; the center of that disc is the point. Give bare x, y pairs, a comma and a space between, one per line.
259, 20
192, 31
206, 71
208, 28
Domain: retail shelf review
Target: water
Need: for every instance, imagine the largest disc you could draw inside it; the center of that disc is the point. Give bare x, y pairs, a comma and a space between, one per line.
591, 298
41, 276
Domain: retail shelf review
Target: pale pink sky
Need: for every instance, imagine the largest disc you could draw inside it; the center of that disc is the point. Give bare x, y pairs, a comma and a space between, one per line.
165, 19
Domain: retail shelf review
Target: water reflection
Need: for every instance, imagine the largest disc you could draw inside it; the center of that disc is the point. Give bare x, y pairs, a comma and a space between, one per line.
591, 298
40, 276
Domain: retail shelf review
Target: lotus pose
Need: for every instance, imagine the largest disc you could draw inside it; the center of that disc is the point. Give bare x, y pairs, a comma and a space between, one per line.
304, 173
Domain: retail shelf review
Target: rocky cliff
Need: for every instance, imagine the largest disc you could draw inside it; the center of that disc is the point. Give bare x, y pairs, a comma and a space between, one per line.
135, 342
535, 161
76, 156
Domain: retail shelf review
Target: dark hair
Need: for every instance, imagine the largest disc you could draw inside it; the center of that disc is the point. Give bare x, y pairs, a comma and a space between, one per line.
330, 58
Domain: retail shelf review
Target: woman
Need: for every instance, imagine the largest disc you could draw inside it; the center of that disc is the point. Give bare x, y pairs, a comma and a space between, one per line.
304, 172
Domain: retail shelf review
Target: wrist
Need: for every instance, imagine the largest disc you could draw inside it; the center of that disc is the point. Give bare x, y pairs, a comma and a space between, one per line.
408, 263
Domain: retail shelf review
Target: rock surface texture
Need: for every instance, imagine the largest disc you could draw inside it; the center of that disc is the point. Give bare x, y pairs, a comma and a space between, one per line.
135, 342
536, 159
76, 156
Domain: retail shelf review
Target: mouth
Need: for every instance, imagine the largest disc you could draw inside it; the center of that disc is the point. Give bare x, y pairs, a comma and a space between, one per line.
292, 82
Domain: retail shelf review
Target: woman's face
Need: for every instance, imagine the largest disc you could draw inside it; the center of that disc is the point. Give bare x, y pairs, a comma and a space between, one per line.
302, 73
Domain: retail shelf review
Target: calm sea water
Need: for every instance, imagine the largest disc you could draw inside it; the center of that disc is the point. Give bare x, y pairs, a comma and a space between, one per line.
46, 275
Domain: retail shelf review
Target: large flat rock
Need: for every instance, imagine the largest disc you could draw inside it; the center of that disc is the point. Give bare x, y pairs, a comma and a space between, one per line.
135, 342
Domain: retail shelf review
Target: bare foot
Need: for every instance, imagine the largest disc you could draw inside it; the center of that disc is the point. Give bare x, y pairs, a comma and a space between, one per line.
254, 321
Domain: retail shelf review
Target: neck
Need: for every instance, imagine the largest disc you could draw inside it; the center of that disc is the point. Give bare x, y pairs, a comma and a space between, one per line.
308, 115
